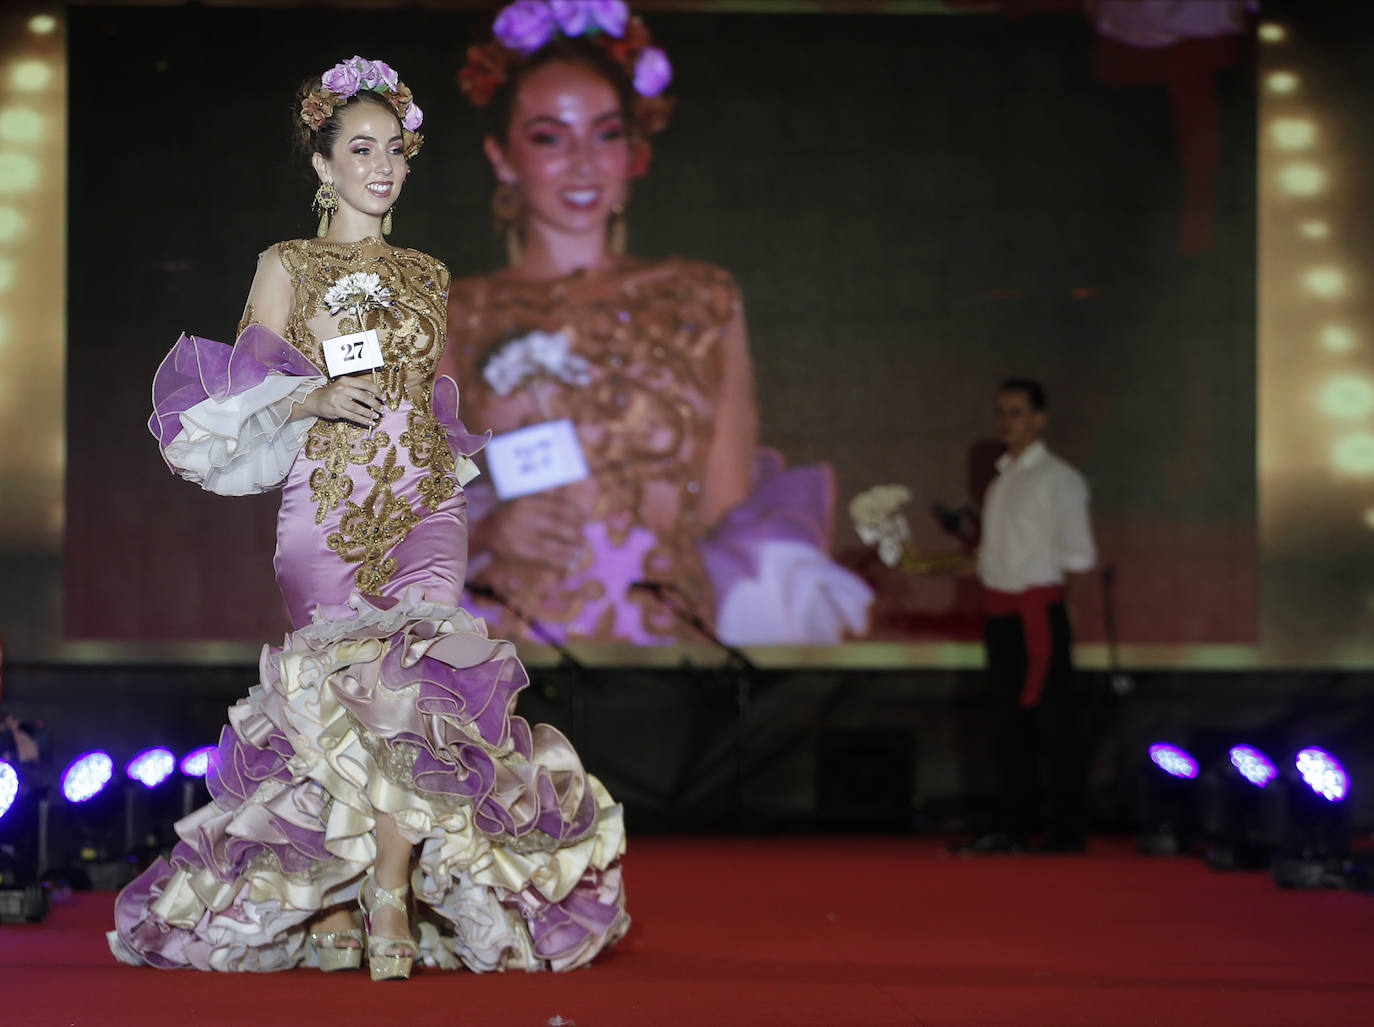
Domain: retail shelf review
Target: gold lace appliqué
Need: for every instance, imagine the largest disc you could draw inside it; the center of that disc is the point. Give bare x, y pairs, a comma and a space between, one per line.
336, 444
368, 529
427, 442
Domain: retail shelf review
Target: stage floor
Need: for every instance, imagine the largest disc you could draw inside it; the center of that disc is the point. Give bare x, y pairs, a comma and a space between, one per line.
836, 930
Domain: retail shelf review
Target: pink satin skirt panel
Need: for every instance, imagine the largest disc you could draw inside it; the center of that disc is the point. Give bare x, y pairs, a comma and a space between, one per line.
313, 577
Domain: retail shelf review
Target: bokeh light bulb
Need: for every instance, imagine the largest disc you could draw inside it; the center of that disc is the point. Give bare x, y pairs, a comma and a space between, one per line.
1284, 83
1302, 179
31, 76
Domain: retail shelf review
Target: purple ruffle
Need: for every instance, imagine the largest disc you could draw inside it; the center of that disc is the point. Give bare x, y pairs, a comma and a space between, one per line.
198, 369
445, 408
795, 504
436, 686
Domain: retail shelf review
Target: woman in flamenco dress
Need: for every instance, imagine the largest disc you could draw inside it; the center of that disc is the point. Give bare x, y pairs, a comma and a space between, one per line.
650, 515
378, 763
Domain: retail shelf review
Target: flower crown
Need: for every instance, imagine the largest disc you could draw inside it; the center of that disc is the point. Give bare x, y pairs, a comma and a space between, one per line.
521, 28
343, 81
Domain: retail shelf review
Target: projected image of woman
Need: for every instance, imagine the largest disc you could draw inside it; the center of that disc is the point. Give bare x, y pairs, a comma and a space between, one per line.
380, 752
620, 390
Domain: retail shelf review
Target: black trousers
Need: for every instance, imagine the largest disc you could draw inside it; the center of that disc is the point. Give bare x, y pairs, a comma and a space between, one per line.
1041, 752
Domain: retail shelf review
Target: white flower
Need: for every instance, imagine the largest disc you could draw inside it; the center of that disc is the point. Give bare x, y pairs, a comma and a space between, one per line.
355, 292
533, 356
878, 522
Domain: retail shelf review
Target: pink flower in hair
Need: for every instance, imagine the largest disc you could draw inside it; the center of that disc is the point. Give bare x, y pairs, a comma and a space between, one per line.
572, 16
414, 117
653, 72
367, 71
386, 75
611, 15
525, 25
342, 79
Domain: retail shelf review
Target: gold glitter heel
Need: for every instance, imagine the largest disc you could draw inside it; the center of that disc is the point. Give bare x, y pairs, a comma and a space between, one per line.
385, 965
334, 956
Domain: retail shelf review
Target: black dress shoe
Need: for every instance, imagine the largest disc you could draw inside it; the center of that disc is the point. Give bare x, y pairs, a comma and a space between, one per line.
996, 841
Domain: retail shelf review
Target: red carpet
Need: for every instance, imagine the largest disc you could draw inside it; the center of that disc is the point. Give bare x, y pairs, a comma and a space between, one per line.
811, 931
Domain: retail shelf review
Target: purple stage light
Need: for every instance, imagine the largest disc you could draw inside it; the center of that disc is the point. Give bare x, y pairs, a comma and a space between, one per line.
87, 775
9, 787
1323, 774
196, 763
1253, 765
1173, 760
151, 767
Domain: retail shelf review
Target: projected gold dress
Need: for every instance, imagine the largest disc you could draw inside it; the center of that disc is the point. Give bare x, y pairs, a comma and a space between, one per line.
636, 359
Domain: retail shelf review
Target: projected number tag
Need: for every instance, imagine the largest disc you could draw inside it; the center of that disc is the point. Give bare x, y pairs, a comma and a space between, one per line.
349, 354
534, 459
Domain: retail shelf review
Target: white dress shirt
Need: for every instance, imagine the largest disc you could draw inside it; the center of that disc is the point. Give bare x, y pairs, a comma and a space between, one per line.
1035, 523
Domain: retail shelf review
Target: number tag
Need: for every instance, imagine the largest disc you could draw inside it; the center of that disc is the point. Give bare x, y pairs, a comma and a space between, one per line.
349, 354
535, 459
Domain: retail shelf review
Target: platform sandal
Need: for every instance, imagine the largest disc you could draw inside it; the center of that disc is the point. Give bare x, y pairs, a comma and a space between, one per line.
383, 963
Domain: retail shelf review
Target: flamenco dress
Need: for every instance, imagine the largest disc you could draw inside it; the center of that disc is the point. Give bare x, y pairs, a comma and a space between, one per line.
386, 696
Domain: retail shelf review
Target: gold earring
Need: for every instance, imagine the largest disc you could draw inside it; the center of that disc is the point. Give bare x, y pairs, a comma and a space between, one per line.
506, 204
619, 235
326, 203
506, 207
386, 221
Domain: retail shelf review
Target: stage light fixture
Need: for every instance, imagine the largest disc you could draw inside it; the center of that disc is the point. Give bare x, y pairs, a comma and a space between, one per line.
1166, 814
1323, 773
151, 767
42, 24
1253, 765
1315, 229
1312, 834
9, 786
86, 776
23, 848
1172, 760
1237, 811
1272, 32
196, 763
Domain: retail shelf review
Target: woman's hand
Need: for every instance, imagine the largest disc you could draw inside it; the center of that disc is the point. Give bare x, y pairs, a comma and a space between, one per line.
543, 528
346, 399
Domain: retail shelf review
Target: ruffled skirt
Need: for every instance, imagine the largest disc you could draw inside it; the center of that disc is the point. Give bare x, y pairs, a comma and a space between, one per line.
403, 707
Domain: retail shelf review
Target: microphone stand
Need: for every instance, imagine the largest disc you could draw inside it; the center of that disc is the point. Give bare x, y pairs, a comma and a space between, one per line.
569, 664
744, 669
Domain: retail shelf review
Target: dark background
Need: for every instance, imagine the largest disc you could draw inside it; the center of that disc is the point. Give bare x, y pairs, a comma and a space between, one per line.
914, 206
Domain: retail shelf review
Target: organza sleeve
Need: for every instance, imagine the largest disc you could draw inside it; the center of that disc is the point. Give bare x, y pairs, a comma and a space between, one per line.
221, 414
244, 444
770, 567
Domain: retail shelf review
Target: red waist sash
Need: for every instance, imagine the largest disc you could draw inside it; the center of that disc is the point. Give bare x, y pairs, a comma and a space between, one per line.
1033, 607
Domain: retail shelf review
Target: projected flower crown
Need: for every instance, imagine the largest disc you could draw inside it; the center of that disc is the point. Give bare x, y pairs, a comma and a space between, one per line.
523, 27
345, 80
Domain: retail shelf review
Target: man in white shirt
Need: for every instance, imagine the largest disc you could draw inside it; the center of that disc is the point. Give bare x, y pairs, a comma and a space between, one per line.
1035, 535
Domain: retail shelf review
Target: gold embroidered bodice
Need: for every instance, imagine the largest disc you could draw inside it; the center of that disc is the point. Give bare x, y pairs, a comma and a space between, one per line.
652, 337
410, 328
